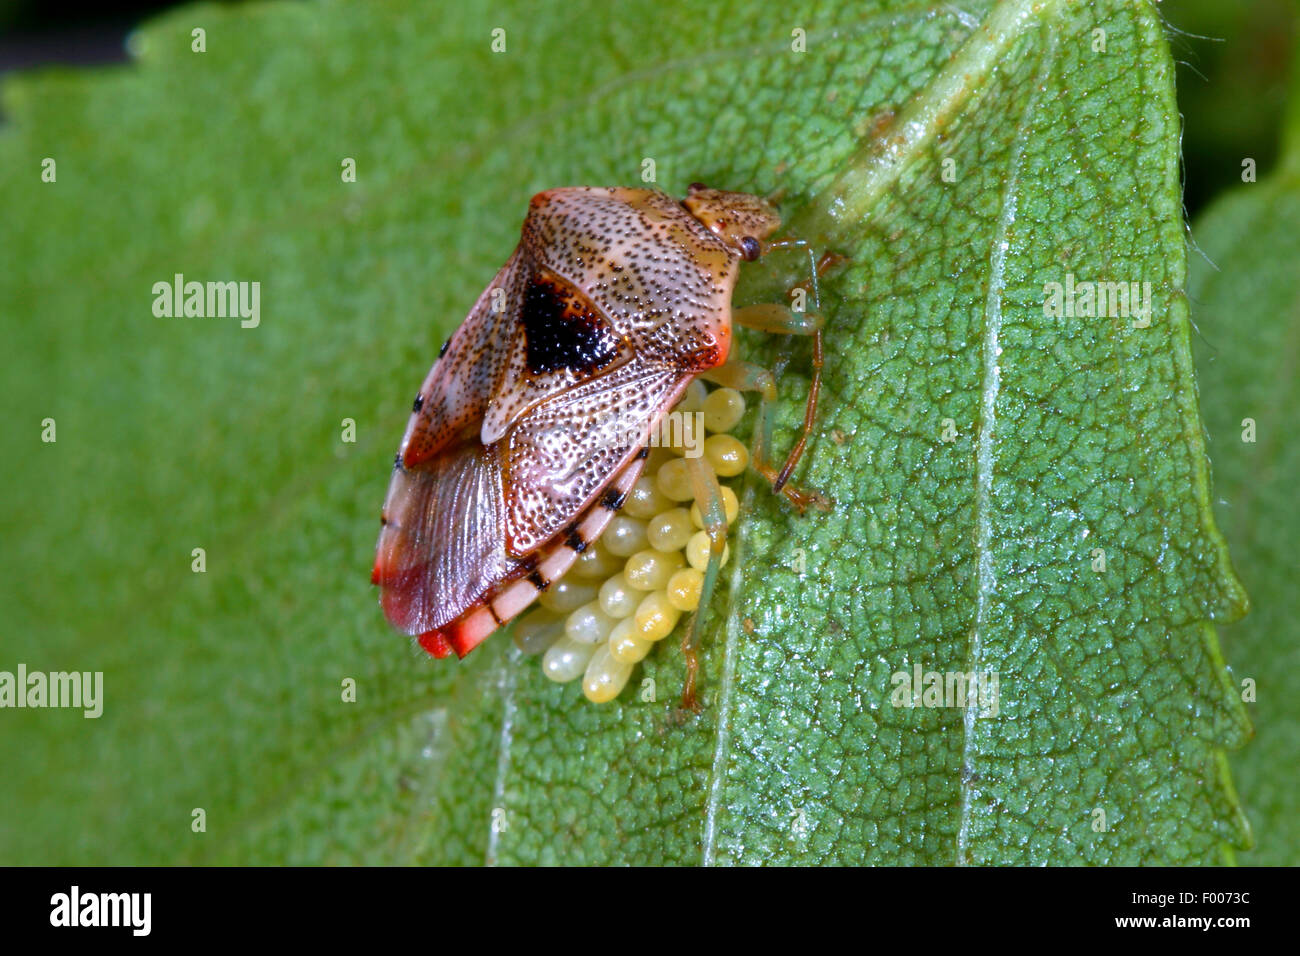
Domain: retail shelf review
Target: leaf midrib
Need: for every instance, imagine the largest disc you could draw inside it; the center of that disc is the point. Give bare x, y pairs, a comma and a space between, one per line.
990, 387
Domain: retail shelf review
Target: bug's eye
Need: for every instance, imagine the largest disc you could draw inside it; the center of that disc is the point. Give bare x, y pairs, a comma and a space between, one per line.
695, 187
750, 248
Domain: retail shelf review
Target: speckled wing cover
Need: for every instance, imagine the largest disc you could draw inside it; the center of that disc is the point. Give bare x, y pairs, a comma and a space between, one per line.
614, 300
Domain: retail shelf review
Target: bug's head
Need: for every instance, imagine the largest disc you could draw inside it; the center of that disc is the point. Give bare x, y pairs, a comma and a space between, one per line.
740, 220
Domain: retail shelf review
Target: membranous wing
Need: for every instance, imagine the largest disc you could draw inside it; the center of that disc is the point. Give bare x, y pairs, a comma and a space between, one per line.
442, 545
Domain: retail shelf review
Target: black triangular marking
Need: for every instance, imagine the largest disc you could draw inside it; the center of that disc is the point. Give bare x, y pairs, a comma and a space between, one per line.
562, 330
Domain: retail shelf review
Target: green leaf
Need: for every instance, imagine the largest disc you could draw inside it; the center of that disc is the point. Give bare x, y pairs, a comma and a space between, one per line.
1246, 300
975, 554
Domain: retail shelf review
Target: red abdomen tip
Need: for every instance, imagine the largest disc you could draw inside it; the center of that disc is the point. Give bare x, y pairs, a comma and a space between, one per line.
436, 643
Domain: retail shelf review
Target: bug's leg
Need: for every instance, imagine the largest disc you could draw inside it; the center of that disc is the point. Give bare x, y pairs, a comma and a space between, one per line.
777, 319
746, 377
708, 497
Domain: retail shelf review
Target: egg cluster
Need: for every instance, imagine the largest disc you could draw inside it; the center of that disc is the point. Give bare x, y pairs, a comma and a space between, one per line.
630, 587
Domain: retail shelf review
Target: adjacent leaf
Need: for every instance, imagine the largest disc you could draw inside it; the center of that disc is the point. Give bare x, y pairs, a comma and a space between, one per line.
976, 553
1246, 300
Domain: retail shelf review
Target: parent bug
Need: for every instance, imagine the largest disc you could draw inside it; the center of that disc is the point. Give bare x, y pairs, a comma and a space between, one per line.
534, 423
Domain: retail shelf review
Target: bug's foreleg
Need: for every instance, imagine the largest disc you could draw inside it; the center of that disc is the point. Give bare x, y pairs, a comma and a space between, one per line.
747, 377
777, 319
743, 376
713, 511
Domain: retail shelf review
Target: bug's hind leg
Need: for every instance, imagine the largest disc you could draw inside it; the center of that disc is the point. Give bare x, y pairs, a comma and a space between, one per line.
708, 497
747, 377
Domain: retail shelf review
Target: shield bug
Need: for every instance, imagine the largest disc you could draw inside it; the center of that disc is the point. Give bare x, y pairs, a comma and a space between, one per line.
535, 421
